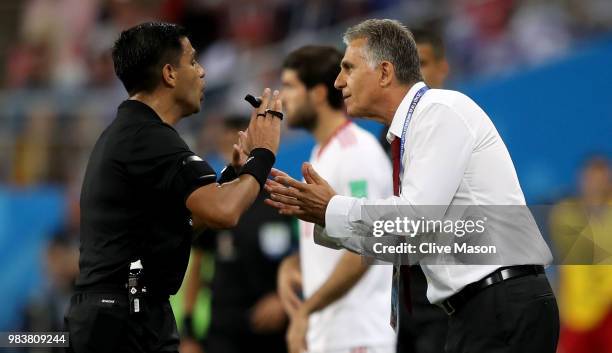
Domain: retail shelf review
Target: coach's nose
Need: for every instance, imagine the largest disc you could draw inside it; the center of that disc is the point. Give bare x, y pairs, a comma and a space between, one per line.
340, 82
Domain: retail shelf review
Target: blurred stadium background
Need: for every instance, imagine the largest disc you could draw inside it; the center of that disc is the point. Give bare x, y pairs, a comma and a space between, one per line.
541, 69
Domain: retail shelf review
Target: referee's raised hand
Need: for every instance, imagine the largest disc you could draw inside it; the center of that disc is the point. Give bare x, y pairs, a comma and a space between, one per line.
264, 128
221, 207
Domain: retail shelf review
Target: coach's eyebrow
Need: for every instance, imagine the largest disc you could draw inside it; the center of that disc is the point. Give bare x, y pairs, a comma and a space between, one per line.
346, 65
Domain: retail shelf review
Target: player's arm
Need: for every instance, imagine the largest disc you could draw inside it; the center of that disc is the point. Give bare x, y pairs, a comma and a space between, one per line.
192, 284
192, 287
289, 282
357, 182
349, 270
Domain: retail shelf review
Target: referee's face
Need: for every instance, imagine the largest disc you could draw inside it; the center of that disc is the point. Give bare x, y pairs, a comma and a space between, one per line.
189, 90
357, 80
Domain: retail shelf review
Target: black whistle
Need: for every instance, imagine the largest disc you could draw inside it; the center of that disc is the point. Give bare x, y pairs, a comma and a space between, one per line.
255, 102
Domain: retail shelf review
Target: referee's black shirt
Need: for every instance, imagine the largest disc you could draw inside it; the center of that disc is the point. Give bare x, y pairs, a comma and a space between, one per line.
133, 204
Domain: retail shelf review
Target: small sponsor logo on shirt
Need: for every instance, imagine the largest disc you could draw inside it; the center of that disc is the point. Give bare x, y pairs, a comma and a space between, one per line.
108, 301
359, 188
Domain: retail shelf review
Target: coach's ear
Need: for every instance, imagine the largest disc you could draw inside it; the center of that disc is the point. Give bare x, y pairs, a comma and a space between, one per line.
387, 73
169, 75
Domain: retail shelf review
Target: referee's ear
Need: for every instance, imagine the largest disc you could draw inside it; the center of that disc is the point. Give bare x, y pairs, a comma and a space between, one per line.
169, 76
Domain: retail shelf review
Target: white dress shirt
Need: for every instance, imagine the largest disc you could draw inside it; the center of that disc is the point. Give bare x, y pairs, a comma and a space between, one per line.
453, 156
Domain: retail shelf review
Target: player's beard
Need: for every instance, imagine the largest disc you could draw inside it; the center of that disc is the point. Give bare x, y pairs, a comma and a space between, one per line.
305, 117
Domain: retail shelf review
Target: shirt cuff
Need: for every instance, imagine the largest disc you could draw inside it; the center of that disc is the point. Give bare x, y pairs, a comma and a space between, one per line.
337, 216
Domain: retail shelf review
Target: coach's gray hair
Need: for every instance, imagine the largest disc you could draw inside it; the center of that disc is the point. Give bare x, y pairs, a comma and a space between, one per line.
388, 40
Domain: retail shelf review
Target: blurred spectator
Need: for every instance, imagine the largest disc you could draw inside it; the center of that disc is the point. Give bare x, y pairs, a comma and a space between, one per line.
477, 36
29, 65
32, 149
545, 22
492, 36
205, 21
484, 36
45, 312
53, 148
59, 26
128, 13
101, 73
591, 16
434, 66
580, 228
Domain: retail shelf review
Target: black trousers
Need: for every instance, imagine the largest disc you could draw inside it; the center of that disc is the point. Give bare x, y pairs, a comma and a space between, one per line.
423, 330
519, 315
101, 322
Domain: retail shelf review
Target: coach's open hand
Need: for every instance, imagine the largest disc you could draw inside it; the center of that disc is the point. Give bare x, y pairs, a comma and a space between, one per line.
306, 201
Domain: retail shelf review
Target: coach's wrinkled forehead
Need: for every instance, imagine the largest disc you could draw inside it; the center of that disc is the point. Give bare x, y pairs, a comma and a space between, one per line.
388, 40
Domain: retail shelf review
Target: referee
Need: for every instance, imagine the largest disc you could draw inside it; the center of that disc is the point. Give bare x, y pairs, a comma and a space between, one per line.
145, 193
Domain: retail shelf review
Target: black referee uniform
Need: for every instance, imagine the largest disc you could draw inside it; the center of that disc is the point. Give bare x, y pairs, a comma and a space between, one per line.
133, 207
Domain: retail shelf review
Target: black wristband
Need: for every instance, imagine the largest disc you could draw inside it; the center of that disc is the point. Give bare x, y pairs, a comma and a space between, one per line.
188, 326
227, 174
259, 164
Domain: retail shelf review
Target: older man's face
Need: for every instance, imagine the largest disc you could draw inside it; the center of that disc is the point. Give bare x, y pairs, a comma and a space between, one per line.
357, 80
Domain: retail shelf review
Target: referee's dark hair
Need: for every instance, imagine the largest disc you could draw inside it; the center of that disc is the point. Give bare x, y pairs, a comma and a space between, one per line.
427, 36
141, 52
315, 64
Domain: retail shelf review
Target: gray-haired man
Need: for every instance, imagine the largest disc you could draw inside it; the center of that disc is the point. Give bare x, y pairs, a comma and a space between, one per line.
447, 152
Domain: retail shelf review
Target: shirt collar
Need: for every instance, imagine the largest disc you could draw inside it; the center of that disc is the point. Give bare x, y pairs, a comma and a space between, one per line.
397, 124
136, 109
